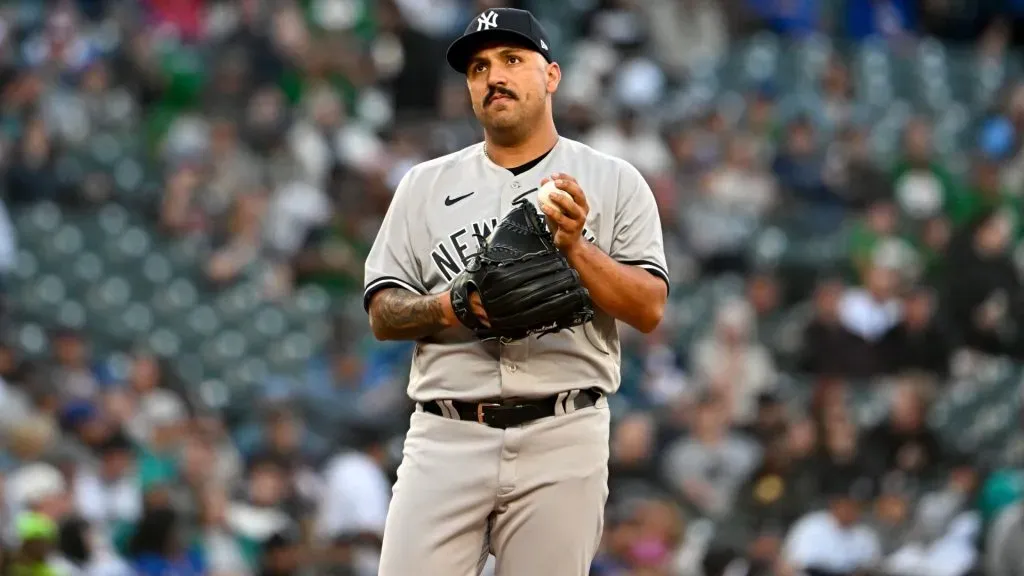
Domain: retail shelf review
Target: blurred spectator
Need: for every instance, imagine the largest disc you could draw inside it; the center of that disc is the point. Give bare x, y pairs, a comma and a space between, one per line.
688, 36
37, 534
281, 556
733, 363
834, 540
73, 374
331, 257
761, 122
629, 138
82, 553
777, 492
225, 553
824, 340
354, 503
904, 442
730, 204
110, 496
31, 177
984, 297
877, 225
646, 536
238, 250
158, 547
838, 104
918, 342
261, 511
37, 488
985, 192
843, 454
800, 167
850, 170
634, 462
945, 532
923, 186
867, 314
771, 420
708, 468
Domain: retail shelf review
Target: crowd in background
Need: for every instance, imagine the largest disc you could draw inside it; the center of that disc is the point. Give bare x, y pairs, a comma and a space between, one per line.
278, 132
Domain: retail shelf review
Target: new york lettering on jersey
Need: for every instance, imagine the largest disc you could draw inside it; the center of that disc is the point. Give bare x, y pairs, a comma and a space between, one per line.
451, 254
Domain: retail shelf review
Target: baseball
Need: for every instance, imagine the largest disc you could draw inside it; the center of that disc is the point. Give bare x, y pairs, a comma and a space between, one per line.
547, 190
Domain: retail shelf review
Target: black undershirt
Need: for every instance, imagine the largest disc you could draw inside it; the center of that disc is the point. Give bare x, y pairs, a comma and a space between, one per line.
526, 167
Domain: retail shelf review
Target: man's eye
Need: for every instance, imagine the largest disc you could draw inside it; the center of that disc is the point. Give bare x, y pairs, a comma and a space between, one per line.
479, 68
514, 59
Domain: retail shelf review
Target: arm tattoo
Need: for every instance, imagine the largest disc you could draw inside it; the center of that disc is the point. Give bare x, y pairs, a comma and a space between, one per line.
402, 315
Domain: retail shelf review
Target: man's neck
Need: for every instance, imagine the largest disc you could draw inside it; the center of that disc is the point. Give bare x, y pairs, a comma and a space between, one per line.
532, 147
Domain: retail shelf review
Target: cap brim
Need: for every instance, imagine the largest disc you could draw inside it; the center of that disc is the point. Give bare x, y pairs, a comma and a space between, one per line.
462, 49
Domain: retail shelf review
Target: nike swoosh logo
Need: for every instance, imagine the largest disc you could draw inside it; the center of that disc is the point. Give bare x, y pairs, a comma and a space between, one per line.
448, 201
522, 196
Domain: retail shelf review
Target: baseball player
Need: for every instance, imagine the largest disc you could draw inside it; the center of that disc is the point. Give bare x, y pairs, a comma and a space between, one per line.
507, 451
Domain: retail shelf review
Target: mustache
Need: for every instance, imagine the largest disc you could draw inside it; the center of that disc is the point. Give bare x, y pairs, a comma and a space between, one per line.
496, 91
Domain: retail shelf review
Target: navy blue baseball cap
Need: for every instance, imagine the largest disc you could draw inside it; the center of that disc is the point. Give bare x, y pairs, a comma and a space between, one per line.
518, 27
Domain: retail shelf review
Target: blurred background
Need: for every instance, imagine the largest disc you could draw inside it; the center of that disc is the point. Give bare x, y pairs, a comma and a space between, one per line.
189, 188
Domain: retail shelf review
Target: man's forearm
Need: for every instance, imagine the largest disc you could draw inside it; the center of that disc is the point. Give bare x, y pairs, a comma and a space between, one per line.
397, 314
630, 294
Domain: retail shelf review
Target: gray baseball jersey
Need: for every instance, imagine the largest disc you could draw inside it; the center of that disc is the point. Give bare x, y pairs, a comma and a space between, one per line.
439, 216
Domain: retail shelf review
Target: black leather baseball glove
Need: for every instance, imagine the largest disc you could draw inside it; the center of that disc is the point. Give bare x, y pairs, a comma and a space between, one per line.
525, 284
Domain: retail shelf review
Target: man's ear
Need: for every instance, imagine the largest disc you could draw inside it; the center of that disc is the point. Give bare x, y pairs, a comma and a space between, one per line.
554, 72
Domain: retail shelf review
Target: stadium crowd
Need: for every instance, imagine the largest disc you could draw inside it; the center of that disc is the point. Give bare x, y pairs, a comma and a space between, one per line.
844, 254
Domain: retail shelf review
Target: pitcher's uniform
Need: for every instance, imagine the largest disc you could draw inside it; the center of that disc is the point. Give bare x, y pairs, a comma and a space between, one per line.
473, 479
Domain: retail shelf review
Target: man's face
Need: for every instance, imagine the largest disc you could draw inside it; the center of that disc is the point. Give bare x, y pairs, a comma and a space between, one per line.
509, 86
963, 479
117, 464
918, 142
70, 350
846, 510
801, 139
881, 282
986, 177
826, 300
267, 486
763, 293
145, 373
285, 433
771, 415
918, 309
710, 419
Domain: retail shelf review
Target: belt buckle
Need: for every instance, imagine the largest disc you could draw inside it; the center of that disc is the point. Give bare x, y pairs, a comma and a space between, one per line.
480, 410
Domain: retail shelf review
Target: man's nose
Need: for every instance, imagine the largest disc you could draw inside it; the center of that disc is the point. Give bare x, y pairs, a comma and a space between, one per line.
496, 76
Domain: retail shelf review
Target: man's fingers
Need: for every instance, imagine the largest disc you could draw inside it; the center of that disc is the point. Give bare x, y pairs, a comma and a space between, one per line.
568, 206
478, 309
556, 216
569, 185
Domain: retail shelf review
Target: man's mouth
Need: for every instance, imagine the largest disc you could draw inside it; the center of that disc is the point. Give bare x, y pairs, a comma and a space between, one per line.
497, 97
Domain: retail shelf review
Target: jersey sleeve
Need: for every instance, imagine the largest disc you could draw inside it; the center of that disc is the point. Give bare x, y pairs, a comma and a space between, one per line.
392, 261
637, 237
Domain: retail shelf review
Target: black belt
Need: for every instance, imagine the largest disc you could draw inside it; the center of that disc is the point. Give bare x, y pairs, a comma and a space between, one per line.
512, 412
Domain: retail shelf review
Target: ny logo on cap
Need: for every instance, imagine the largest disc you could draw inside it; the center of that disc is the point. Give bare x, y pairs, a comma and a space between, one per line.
487, 21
